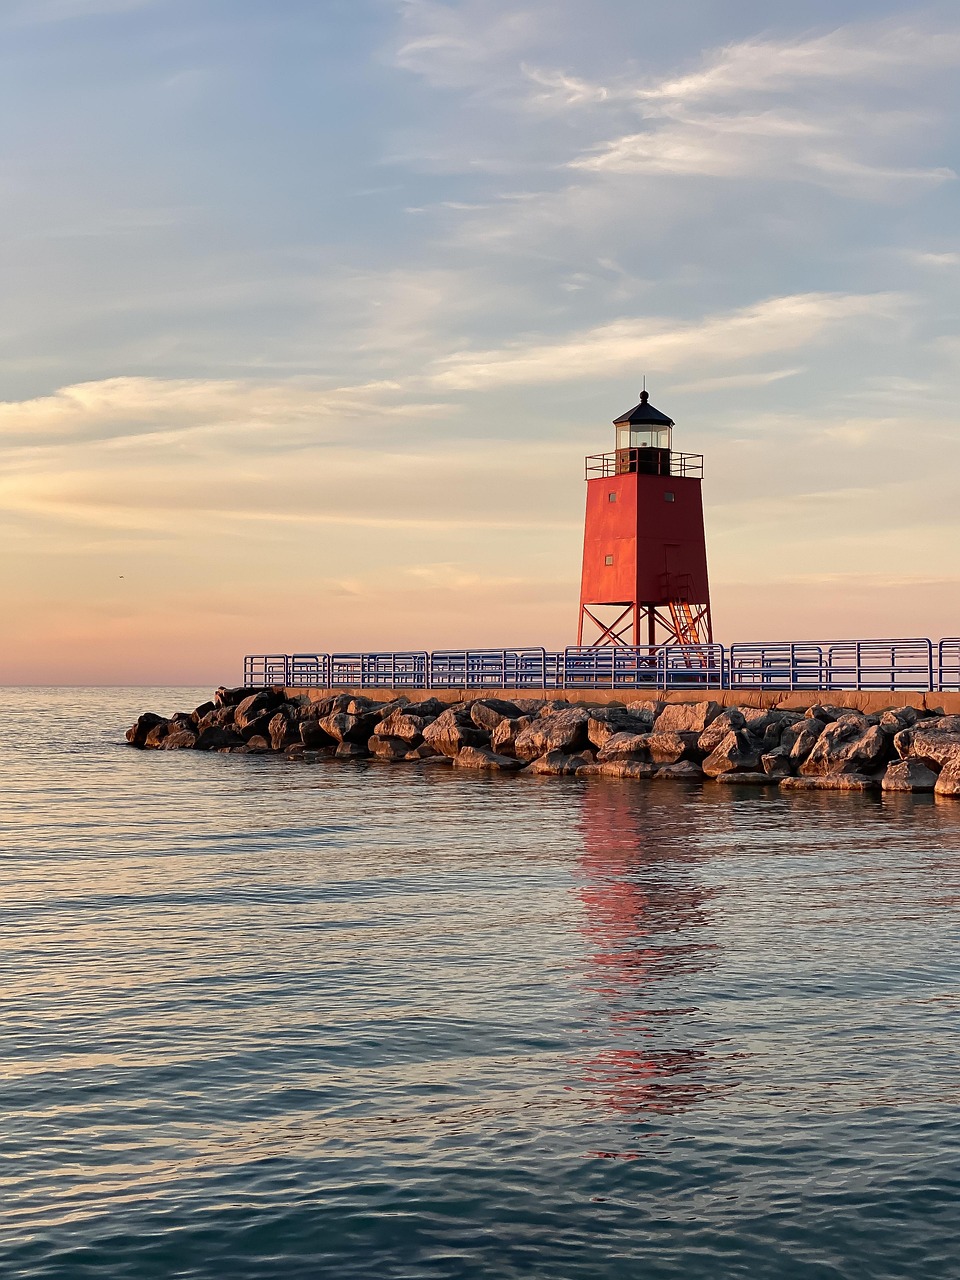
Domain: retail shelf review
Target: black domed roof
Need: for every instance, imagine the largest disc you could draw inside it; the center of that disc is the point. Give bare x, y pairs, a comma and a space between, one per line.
644, 414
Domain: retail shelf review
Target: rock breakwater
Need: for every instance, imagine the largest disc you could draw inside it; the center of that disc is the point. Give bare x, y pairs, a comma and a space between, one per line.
821, 748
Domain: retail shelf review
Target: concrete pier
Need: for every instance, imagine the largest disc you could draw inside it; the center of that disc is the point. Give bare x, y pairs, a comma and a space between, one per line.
866, 701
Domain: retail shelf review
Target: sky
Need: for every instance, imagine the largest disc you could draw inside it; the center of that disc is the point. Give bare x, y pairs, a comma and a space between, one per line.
311, 310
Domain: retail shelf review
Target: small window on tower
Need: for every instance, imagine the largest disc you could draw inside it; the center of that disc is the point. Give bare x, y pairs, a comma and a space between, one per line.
611, 497
608, 559
668, 497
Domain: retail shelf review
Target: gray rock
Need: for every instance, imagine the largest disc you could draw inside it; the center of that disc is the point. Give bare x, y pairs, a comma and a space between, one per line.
561, 763
646, 710
937, 750
256, 707
156, 735
504, 737
799, 739
623, 746
428, 709
715, 732
776, 763
620, 768
401, 724
831, 782
181, 740
283, 730
344, 726
671, 747
686, 717
136, 735
487, 713
389, 749
351, 751
452, 731
683, 771
845, 746
948, 783
908, 775
478, 758
563, 731
747, 779
217, 738
942, 724
738, 751
313, 735
897, 718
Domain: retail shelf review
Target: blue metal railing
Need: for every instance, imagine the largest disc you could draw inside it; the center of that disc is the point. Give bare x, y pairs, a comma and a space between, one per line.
907, 664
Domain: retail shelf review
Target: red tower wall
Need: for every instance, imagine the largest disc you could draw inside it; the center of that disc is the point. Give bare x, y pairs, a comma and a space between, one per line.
649, 538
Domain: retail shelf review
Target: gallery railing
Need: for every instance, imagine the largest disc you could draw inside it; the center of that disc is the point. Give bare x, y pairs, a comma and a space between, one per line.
907, 664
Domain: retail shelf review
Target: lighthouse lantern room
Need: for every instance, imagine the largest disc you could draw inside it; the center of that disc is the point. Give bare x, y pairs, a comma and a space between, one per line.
644, 576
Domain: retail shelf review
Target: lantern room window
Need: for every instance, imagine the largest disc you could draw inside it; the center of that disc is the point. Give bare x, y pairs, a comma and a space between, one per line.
640, 437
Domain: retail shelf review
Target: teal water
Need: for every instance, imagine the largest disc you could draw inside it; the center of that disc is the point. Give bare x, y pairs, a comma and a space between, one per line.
261, 1019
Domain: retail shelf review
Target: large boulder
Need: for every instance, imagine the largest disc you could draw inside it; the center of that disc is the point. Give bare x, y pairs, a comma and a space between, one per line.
646, 710
487, 713
180, 740
624, 746
136, 735
738, 752
283, 729
831, 782
948, 783
313, 735
897, 718
388, 748
908, 775
747, 778
343, 726
233, 697
219, 718
799, 739
563, 731
401, 724
682, 771
217, 738
728, 721
848, 745
604, 723
826, 715
671, 747
504, 737
941, 724
351, 751
452, 731
256, 707
428, 709
478, 758
686, 717
776, 763
561, 763
934, 749
635, 770
156, 735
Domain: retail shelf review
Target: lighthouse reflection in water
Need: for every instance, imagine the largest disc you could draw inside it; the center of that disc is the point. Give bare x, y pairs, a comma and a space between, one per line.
648, 925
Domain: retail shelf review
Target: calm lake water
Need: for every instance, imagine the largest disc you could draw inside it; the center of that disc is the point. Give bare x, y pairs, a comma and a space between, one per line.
262, 1019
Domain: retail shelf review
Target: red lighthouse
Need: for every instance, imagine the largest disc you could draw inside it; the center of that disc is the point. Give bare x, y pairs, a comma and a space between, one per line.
644, 552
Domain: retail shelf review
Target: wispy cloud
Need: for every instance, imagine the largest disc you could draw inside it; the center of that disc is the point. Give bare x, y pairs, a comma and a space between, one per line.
778, 324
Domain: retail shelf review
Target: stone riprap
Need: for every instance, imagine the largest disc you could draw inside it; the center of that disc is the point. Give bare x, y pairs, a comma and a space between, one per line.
823, 747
